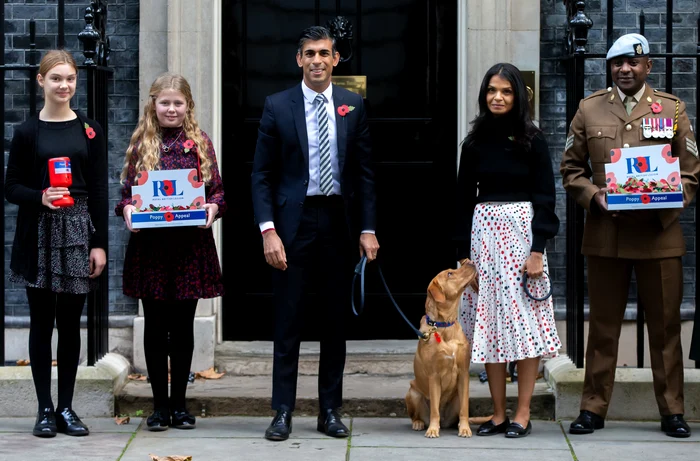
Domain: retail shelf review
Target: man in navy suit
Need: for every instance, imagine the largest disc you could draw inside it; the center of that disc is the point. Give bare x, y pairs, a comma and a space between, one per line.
313, 195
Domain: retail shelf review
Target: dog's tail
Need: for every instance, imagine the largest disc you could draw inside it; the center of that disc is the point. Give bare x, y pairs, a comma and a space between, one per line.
480, 419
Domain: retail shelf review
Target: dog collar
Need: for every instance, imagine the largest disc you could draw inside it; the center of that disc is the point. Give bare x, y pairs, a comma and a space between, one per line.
433, 323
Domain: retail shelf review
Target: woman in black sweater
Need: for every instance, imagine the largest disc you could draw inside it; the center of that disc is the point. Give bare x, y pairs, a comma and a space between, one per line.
58, 252
506, 214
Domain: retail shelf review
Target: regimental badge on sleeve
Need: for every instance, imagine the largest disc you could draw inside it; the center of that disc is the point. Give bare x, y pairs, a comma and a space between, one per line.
569, 142
691, 146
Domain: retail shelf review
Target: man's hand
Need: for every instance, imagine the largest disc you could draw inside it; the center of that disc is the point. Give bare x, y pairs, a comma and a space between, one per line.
274, 250
602, 202
534, 265
369, 246
98, 260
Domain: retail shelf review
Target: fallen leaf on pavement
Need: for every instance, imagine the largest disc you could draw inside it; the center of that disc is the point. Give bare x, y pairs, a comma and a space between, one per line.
22, 362
137, 377
208, 374
121, 420
54, 363
170, 458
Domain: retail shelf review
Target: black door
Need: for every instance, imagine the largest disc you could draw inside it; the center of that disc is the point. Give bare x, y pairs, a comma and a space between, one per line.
408, 51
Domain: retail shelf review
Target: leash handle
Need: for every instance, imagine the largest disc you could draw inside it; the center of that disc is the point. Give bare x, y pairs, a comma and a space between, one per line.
360, 271
530, 295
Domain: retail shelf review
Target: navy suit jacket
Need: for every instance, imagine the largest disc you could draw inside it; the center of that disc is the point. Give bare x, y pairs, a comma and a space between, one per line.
280, 175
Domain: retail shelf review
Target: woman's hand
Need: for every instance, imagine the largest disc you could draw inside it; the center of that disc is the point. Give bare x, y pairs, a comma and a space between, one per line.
127, 212
53, 193
98, 260
534, 266
212, 211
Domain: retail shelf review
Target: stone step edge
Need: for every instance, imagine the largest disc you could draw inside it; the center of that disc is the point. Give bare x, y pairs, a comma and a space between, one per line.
542, 406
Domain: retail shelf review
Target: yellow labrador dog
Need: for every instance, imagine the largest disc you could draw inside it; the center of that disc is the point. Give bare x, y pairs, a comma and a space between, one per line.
439, 394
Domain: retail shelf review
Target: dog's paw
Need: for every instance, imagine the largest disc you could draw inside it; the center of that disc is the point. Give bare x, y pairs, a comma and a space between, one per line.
432, 432
418, 425
465, 431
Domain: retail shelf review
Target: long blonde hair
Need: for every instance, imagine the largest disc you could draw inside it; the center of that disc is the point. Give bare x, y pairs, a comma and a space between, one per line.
147, 137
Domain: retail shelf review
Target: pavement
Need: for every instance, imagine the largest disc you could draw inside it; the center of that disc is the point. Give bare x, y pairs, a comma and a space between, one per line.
384, 439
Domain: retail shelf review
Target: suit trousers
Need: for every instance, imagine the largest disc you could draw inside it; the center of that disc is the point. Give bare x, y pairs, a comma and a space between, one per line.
660, 288
317, 261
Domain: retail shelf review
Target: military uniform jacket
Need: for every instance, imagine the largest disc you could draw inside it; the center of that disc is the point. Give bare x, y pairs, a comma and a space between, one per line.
601, 124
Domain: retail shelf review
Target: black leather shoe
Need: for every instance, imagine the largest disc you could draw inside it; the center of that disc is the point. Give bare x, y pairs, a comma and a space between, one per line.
489, 428
330, 424
516, 430
68, 423
675, 426
45, 425
281, 426
158, 421
182, 419
586, 423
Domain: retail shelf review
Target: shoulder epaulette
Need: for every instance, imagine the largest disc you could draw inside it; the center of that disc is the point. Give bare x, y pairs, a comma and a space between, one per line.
599, 93
666, 95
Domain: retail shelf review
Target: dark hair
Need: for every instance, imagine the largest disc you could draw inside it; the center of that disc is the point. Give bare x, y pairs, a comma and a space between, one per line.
517, 121
315, 33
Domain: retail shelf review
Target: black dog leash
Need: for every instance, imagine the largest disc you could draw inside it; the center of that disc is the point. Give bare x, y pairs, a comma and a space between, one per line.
360, 271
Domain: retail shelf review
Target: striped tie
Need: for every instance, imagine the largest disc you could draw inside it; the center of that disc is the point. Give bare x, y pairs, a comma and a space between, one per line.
324, 147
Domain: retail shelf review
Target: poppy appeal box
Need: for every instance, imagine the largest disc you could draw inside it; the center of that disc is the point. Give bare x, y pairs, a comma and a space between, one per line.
643, 177
168, 198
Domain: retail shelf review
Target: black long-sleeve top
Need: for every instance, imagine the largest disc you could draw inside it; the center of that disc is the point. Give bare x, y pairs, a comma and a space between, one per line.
27, 177
498, 169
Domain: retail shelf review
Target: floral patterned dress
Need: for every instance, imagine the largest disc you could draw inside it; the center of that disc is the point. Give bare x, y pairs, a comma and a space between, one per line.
179, 262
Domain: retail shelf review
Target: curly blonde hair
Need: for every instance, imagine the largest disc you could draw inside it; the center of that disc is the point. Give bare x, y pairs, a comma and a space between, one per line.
146, 140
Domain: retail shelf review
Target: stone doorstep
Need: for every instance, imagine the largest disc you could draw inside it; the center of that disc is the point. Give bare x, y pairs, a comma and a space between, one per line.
633, 394
94, 390
363, 396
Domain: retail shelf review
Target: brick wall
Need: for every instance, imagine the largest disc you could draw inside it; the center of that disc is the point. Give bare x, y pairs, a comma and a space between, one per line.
123, 30
553, 99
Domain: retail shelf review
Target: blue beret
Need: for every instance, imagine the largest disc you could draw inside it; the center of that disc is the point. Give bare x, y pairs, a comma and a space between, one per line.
629, 45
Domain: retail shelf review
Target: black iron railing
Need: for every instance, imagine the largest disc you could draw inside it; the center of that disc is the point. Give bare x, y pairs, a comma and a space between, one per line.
96, 51
577, 38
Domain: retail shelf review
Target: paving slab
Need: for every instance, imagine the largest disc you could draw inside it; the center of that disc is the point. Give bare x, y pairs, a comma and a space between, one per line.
636, 451
226, 449
397, 432
95, 447
413, 454
96, 425
631, 431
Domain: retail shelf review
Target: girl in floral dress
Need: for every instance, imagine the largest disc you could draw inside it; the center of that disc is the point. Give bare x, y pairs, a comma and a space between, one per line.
506, 200
170, 269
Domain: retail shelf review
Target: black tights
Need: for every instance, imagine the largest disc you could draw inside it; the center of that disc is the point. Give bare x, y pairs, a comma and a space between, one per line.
46, 306
168, 330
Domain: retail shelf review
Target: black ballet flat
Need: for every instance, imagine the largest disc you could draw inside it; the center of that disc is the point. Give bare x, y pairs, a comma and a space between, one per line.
489, 428
182, 419
516, 430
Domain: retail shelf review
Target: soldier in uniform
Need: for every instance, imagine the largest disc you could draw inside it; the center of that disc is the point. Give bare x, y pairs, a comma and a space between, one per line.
650, 242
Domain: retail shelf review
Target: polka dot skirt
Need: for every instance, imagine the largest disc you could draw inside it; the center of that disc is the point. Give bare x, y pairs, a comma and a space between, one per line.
501, 322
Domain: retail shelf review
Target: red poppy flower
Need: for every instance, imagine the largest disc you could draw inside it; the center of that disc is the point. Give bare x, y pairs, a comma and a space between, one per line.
189, 144
343, 110
612, 188
168, 187
656, 108
645, 199
437, 337
90, 133
610, 178
193, 178
642, 164
615, 155
136, 201
141, 178
169, 216
674, 178
667, 154
198, 202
